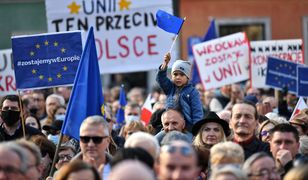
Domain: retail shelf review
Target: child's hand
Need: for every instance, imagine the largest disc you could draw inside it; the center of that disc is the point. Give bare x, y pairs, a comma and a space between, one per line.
167, 58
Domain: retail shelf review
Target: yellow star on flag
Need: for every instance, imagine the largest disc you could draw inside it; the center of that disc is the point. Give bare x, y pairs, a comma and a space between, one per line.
55, 43
74, 8
59, 75
46, 43
37, 46
41, 77
124, 4
31, 53
64, 68
50, 79
33, 71
63, 50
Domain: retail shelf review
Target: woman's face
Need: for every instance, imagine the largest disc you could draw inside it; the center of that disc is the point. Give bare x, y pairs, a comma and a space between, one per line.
211, 133
30, 121
265, 132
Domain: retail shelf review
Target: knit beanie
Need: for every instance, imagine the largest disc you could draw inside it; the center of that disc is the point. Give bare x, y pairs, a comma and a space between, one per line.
183, 66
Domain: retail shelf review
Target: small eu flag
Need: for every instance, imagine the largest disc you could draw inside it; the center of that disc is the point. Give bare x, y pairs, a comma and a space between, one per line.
120, 112
281, 74
168, 22
302, 81
46, 60
210, 34
87, 95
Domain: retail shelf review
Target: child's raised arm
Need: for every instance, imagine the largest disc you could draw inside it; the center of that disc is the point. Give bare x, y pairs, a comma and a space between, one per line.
167, 58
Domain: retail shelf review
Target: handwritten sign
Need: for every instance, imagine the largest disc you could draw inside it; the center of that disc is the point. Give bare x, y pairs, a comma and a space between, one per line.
223, 61
7, 78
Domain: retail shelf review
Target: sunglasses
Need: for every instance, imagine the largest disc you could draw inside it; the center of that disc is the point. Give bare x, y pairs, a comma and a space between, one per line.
184, 150
95, 139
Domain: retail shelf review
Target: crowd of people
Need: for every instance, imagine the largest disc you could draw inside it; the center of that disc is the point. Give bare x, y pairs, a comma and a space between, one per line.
235, 132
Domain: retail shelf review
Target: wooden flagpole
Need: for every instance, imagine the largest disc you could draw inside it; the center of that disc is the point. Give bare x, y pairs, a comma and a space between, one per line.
22, 115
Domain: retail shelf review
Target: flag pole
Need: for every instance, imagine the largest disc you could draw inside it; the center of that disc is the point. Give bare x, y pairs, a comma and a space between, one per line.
175, 38
56, 155
22, 115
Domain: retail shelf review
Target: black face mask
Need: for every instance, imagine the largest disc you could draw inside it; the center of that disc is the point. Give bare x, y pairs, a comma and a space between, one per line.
10, 117
33, 110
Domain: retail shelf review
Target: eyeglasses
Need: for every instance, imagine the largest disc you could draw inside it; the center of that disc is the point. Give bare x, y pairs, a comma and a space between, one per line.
265, 172
184, 150
63, 156
10, 170
95, 139
13, 108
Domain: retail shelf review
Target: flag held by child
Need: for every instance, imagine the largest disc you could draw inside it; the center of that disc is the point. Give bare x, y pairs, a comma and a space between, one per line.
87, 95
168, 22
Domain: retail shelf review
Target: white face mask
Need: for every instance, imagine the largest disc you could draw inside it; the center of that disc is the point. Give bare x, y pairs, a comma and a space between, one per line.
53, 138
60, 117
131, 118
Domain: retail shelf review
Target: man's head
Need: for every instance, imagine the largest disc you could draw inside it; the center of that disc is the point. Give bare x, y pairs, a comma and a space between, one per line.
172, 120
13, 163
52, 102
10, 110
254, 92
132, 112
177, 160
145, 141
244, 120
94, 137
284, 137
34, 169
136, 95
39, 101
131, 170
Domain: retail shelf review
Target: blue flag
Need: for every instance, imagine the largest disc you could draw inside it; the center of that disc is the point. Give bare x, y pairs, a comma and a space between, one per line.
281, 74
302, 81
168, 22
120, 112
210, 34
87, 95
46, 60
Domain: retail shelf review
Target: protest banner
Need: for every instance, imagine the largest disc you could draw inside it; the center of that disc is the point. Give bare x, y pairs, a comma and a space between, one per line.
46, 60
223, 60
283, 49
302, 83
127, 38
7, 78
281, 74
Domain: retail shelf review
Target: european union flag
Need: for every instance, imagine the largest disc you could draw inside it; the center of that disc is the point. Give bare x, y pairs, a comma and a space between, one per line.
302, 81
46, 60
210, 34
168, 22
87, 95
120, 112
281, 74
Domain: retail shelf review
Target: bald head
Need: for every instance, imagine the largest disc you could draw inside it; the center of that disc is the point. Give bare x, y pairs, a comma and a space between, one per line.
131, 170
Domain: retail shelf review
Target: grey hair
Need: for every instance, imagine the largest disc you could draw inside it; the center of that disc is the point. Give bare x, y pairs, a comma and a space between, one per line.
143, 137
247, 164
21, 153
229, 169
59, 97
174, 135
33, 148
96, 121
